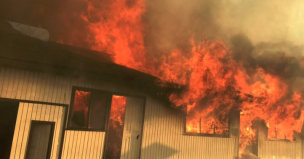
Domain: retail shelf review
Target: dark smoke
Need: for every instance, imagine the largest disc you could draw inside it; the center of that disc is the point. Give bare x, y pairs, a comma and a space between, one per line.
281, 59
171, 24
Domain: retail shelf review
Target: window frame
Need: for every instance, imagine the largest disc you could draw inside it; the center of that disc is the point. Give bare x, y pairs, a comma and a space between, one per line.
266, 129
107, 114
203, 134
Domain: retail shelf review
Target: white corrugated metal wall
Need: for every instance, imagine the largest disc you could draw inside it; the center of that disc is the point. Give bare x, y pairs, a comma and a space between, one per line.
39, 112
83, 144
278, 149
163, 137
163, 129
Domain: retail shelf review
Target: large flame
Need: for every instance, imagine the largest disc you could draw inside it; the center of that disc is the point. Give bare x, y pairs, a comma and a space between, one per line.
215, 82
117, 29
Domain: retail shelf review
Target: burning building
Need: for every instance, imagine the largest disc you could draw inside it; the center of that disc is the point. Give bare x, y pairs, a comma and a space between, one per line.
65, 102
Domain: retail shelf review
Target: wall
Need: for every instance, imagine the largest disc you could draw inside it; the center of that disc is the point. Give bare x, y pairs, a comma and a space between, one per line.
163, 128
163, 137
278, 149
28, 112
83, 144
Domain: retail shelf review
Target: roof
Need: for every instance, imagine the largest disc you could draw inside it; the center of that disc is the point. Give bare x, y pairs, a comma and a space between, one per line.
19, 50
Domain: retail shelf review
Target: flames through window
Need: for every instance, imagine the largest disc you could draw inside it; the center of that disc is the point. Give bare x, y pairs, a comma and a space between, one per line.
88, 111
200, 123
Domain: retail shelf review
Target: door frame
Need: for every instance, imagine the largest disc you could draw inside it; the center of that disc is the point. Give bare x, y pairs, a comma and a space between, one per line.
108, 113
50, 143
110, 94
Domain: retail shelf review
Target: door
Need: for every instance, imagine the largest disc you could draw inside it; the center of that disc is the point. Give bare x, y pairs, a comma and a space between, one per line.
132, 133
40, 140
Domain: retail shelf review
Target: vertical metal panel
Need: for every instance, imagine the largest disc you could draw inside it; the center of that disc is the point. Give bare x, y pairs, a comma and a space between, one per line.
278, 149
132, 128
162, 131
93, 141
5, 82
163, 137
28, 112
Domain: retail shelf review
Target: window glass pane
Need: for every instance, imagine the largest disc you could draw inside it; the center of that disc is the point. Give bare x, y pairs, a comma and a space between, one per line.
80, 109
98, 109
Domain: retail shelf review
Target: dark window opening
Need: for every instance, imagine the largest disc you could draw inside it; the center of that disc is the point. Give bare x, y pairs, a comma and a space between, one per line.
98, 111
8, 114
88, 110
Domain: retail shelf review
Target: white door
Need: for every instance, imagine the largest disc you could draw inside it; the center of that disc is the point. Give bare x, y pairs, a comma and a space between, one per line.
132, 128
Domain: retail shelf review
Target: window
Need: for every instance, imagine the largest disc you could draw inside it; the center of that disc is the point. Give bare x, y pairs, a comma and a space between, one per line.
198, 123
88, 110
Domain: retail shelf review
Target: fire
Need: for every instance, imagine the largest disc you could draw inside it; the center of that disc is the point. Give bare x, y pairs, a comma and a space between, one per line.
117, 114
214, 82
117, 29
118, 108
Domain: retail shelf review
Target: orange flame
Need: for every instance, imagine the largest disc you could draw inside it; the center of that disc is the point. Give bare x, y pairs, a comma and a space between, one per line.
215, 83
116, 126
118, 108
118, 31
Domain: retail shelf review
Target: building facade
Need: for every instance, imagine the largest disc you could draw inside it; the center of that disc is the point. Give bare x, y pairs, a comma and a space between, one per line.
43, 82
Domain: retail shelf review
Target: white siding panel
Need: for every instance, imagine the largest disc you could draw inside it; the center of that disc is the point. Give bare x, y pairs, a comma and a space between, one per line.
93, 141
28, 112
162, 131
163, 137
278, 149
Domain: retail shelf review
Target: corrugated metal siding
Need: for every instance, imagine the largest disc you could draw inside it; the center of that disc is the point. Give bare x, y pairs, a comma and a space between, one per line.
278, 149
28, 112
163, 128
132, 127
83, 144
26, 85
163, 137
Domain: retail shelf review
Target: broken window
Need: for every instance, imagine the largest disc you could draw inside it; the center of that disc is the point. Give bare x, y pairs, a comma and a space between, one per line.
88, 110
206, 124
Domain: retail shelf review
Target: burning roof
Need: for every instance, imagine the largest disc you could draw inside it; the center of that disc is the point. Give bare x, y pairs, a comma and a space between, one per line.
18, 50
216, 50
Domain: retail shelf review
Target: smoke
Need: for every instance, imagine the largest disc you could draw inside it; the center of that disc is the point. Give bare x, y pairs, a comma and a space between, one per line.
265, 34
172, 23
169, 24
259, 34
